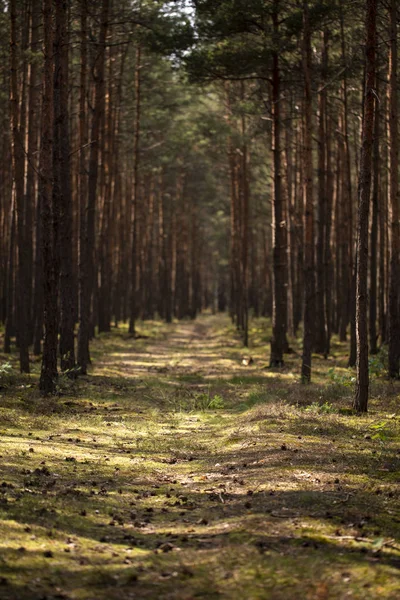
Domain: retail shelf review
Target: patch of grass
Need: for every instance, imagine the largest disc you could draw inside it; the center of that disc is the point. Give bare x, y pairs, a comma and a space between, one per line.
246, 380
191, 378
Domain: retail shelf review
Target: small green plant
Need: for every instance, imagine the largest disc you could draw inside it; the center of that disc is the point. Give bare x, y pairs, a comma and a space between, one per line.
380, 431
216, 403
65, 384
345, 379
6, 374
204, 402
377, 364
325, 408
192, 402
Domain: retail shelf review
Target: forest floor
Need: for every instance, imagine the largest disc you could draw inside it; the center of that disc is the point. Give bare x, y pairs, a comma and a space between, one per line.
173, 471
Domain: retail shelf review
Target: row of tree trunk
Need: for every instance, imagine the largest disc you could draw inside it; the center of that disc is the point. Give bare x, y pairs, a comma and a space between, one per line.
107, 246
100, 224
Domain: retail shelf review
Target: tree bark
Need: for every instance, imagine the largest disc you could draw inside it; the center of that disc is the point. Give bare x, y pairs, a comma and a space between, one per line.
244, 228
279, 237
83, 356
320, 327
373, 336
10, 282
50, 216
33, 141
364, 191
134, 217
62, 186
394, 274
33, 146
328, 263
87, 265
347, 281
309, 274
106, 231
18, 169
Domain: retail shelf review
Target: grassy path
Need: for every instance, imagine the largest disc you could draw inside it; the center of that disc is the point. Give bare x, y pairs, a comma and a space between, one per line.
173, 471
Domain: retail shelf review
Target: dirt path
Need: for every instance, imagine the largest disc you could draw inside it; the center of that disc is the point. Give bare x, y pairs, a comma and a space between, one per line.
201, 348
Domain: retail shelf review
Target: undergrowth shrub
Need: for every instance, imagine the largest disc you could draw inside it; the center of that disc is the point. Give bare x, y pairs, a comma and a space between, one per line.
341, 379
378, 363
195, 402
7, 375
325, 408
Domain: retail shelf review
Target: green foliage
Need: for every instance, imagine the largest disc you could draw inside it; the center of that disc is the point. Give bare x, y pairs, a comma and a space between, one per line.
7, 375
377, 368
66, 383
345, 379
378, 363
204, 401
170, 34
380, 429
216, 403
195, 402
325, 408
235, 38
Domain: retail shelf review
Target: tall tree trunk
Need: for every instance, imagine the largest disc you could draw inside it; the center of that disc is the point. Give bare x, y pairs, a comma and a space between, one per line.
38, 298
62, 185
348, 290
320, 327
383, 221
234, 218
33, 140
382, 262
49, 215
167, 251
244, 228
373, 337
298, 251
394, 274
105, 233
18, 169
10, 281
279, 237
83, 355
87, 266
353, 287
33, 146
309, 275
337, 239
134, 217
362, 384
290, 169
328, 263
